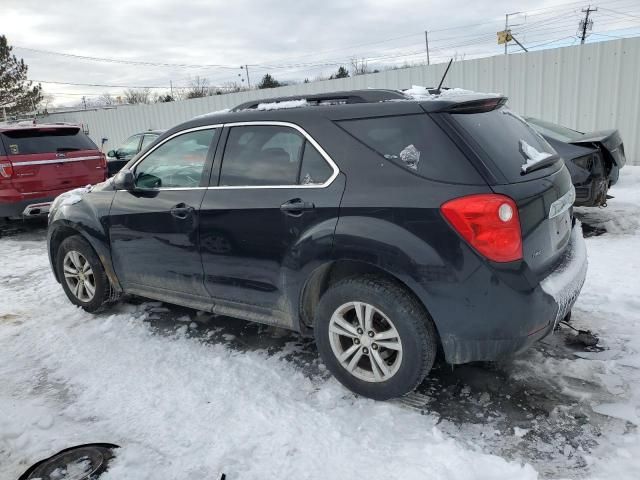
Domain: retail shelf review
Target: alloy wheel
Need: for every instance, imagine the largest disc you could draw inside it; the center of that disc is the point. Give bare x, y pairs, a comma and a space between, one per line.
365, 342
79, 276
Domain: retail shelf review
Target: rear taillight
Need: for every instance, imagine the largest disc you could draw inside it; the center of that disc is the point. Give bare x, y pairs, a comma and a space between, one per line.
489, 223
6, 169
103, 160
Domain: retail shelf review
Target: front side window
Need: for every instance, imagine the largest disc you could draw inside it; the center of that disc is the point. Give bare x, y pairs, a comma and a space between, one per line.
177, 163
130, 146
267, 155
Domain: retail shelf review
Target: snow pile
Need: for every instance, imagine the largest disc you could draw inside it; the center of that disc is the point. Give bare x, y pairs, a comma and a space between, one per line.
417, 92
568, 277
184, 409
282, 105
77, 469
533, 156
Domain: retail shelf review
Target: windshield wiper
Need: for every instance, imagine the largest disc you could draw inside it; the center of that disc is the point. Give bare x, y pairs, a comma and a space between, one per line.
67, 149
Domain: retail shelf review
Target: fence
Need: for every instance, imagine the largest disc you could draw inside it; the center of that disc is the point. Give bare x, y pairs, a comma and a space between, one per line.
586, 87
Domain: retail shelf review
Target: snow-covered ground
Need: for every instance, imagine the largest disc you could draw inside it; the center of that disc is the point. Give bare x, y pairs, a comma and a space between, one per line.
189, 396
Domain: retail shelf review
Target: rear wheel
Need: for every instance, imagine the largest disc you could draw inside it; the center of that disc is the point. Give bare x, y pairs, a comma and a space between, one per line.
375, 338
82, 276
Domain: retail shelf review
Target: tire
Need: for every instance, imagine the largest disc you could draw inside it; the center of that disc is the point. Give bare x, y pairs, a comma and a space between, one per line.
397, 321
76, 249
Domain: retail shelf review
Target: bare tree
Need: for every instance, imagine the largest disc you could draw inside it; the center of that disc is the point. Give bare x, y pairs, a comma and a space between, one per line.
231, 87
134, 96
199, 87
106, 100
359, 67
46, 102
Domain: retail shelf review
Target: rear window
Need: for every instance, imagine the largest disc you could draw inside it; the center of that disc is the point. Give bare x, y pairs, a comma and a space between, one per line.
552, 130
501, 135
415, 143
50, 140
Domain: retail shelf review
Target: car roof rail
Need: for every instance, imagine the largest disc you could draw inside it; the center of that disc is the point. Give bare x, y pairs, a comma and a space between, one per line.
331, 98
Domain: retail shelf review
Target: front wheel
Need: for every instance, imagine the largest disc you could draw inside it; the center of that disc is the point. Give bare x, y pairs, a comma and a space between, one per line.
374, 337
82, 275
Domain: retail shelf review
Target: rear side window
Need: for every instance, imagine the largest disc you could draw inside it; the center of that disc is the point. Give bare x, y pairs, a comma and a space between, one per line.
416, 143
47, 140
501, 134
314, 169
268, 155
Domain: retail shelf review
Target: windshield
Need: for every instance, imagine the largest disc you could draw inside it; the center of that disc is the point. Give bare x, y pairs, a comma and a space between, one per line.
509, 142
552, 130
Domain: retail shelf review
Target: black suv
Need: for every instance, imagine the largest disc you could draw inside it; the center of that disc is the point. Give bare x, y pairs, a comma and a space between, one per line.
386, 226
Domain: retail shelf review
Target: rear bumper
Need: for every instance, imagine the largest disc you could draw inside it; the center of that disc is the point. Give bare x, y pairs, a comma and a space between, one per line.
512, 317
15, 204
26, 208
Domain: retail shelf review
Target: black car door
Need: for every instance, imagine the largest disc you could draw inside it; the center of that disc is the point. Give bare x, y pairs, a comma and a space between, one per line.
272, 209
154, 227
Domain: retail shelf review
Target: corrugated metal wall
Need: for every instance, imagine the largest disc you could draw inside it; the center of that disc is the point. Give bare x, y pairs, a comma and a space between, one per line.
590, 87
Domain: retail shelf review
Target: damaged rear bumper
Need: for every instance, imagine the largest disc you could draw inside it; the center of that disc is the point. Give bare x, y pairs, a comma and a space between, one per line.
542, 308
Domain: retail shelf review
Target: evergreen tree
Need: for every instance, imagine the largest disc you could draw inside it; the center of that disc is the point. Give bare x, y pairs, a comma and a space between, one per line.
17, 94
341, 73
268, 82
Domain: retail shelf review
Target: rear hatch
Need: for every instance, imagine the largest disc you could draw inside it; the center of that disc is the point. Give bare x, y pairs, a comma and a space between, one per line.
44, 159
520, 163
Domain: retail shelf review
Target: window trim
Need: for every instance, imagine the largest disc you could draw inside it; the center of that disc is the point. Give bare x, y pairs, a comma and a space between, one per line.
307, 137
221, 126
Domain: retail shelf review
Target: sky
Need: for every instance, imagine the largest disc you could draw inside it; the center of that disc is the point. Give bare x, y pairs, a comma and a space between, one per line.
179, 41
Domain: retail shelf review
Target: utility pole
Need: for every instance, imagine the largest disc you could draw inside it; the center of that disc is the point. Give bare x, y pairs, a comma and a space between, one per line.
84, 102
246, 69
586, 23
506, 29
426, 41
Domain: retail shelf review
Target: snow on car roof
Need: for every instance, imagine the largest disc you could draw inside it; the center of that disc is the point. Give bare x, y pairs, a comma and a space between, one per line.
417, 92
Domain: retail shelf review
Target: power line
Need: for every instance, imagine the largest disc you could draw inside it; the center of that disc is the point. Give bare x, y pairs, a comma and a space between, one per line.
123, 61
101, 84
621, 13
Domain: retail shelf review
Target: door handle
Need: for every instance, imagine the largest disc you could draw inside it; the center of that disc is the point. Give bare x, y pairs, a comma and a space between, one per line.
296, 207
182, 211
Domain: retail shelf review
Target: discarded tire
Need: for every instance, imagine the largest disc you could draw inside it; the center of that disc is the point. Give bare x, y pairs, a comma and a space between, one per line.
82, 462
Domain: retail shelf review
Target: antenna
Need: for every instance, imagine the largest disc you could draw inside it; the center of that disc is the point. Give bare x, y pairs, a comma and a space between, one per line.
437, 91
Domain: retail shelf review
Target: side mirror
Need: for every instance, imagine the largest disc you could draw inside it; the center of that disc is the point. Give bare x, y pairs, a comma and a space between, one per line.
111, 153
124, 180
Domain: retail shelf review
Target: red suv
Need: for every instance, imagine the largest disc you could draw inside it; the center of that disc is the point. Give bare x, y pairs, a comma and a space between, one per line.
39, 162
